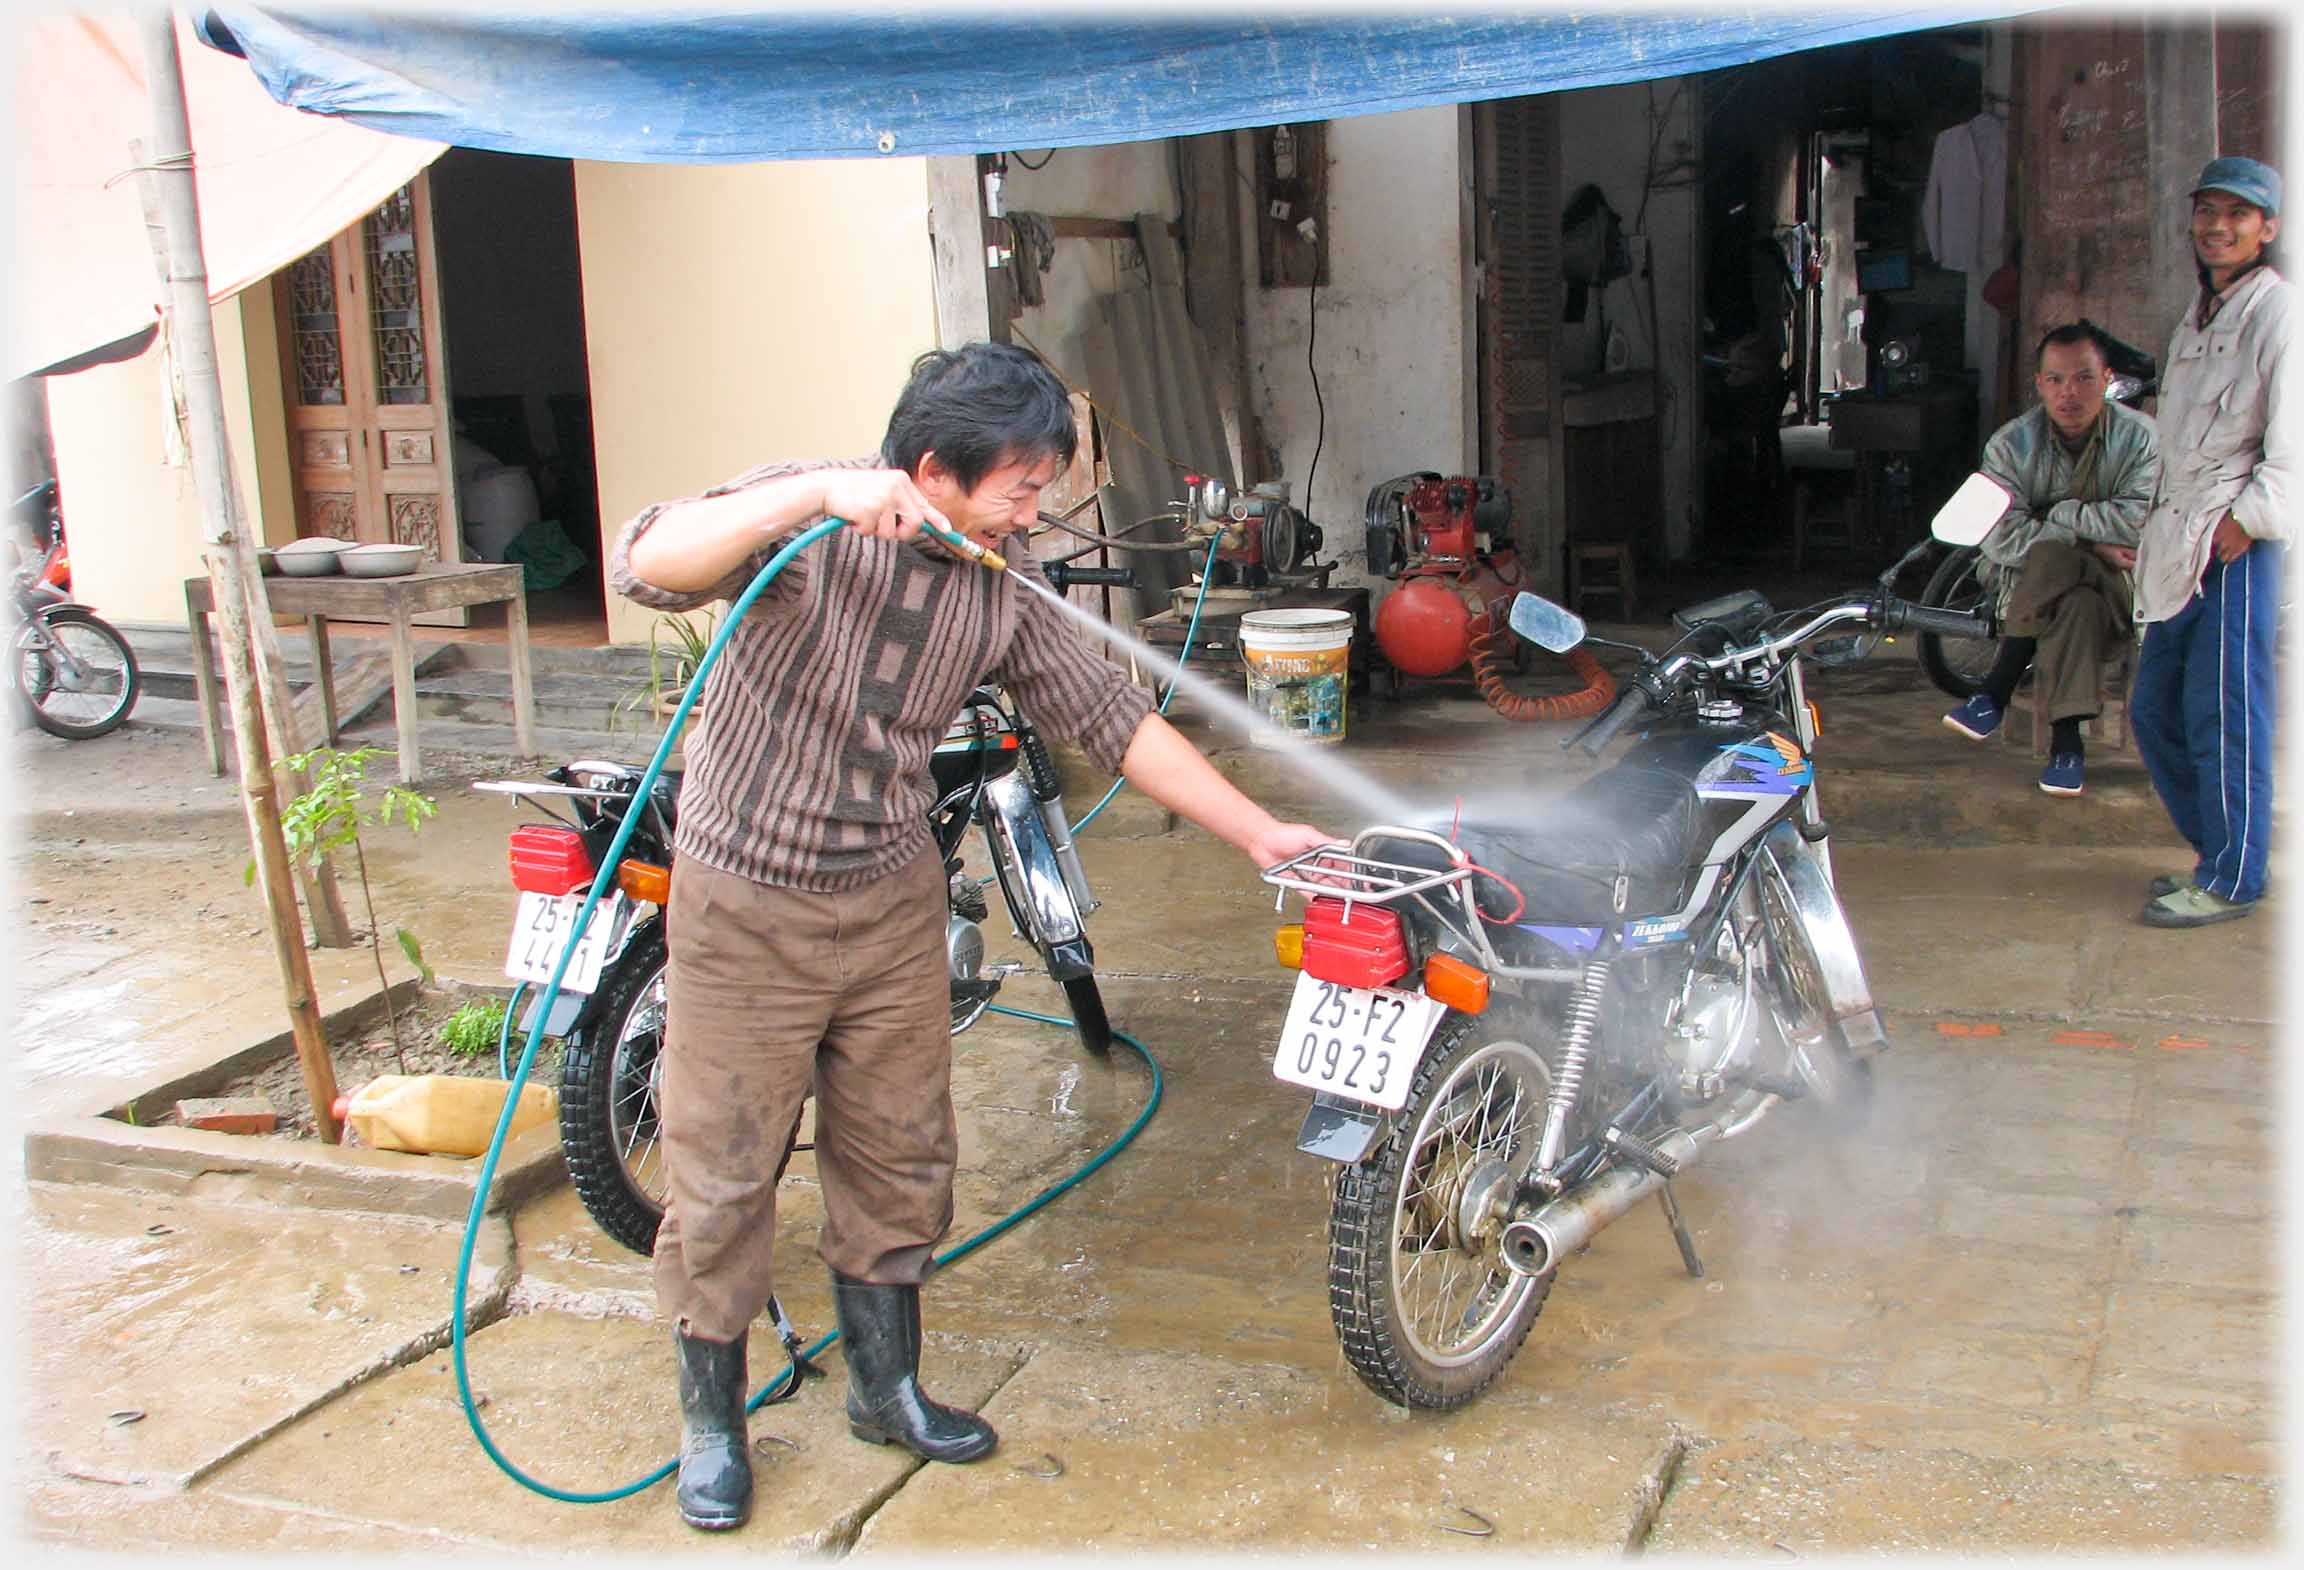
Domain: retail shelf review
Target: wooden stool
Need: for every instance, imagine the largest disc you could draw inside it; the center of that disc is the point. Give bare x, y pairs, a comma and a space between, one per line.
1618, 582
2109, 727
1832, 527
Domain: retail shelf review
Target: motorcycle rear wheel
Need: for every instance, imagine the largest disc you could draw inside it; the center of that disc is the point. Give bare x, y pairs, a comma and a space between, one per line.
1426, 1311
101, 699
609, 1131
1957, 665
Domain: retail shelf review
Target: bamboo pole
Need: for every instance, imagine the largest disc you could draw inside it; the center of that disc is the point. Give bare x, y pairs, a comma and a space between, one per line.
323, 900
232, 569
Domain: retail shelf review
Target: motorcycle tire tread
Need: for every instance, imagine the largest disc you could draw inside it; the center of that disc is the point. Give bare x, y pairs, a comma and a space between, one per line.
1359, 1214
587, 1066
131, 678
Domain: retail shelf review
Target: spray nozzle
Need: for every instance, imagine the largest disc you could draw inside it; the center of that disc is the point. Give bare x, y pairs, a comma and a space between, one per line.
981, 555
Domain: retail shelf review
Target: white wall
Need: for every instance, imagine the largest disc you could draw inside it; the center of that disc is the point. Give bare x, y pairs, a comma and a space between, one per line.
739, 313
131, 510
1604, 136
1393, 343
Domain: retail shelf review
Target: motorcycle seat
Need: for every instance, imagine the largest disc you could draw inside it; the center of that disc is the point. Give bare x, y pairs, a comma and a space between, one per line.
1640, 825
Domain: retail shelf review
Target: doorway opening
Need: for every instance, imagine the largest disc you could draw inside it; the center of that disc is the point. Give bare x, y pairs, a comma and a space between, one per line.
520, 393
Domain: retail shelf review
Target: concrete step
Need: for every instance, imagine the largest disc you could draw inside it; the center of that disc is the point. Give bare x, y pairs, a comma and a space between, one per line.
574, 700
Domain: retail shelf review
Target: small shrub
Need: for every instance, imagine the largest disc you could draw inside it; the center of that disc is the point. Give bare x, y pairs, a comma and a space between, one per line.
474, 1028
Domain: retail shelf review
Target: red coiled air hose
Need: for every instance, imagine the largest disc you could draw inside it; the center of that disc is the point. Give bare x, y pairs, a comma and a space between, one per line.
1599, 687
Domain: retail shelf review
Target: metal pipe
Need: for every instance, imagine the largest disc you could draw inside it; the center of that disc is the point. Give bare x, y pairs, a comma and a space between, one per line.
1537, 1242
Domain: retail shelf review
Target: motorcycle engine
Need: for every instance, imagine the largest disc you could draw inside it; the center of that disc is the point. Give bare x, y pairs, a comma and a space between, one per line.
1715, 1027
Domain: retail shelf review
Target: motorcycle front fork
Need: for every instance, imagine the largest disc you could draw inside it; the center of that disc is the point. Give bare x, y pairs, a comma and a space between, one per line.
1812, 825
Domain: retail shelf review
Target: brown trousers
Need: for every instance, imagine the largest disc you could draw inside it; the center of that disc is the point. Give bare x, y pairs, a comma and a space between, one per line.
773, 994
2079, 609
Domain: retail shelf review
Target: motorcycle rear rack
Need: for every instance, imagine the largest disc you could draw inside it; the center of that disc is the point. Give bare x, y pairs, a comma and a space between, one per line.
1357, 878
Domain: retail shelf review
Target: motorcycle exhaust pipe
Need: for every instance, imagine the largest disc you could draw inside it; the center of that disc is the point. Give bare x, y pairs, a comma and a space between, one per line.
1535, 1244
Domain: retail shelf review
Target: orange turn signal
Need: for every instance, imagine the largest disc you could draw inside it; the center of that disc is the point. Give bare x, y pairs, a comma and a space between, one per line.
645, 881
1288, 945
1450, 980
1815, 719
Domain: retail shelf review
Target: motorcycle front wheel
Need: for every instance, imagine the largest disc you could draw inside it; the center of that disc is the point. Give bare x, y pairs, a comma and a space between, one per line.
1957, 665
1423, 1304
1840, 1082
87, 694
609, 1075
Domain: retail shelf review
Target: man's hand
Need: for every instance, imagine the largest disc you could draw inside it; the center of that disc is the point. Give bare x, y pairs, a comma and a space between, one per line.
2230, 541
1283, 840
882, 502
2120, 558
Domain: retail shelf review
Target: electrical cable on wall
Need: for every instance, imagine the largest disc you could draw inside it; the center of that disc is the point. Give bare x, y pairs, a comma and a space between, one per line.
1024, 163
1311, 339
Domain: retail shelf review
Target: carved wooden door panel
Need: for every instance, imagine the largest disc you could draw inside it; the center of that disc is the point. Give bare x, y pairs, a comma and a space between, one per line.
366, 390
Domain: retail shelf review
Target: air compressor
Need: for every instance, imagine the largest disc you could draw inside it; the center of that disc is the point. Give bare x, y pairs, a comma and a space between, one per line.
1445, 542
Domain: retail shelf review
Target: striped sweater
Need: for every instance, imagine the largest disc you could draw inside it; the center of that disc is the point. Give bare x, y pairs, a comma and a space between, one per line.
813, 771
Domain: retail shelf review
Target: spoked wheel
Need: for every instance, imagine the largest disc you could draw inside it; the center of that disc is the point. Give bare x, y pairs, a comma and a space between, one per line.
609, 1077
1958, 665
1426, 1310
1840, 1081
77, 675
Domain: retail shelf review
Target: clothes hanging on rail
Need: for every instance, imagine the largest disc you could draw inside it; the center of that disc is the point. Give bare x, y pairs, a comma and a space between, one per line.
1964, 211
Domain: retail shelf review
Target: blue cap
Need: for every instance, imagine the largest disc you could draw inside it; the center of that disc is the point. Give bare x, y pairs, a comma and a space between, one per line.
2256, 184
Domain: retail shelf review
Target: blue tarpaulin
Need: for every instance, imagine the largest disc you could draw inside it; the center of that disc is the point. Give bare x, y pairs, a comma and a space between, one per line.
690, 84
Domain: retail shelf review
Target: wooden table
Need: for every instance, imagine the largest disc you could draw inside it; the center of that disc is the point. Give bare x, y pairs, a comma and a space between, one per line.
436, 586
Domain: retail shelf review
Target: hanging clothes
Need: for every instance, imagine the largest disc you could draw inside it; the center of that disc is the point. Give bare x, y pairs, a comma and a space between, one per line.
1965, 209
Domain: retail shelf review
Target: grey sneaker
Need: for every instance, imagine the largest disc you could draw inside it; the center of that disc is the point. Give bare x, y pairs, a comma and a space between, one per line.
2193, 907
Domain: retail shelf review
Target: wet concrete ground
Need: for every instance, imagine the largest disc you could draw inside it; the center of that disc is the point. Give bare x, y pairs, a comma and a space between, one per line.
2032, 1305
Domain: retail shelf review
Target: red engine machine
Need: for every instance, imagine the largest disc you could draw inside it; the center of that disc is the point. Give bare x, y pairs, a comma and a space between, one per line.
1445, 540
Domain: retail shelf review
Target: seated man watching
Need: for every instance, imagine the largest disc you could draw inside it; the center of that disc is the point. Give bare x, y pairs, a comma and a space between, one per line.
2082, 471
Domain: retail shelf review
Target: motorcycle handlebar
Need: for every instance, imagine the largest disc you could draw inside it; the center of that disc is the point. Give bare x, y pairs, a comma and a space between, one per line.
1632, 703
1061, 577
1905, 616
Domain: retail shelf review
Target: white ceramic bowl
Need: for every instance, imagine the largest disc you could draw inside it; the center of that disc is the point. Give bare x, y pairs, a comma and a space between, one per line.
312, 557
381, 561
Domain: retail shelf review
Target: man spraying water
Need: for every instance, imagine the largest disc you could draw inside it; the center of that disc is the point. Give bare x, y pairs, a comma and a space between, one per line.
808, 909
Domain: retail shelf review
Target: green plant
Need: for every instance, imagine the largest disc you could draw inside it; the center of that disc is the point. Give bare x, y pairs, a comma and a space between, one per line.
676, 648
474, 1027
328, 816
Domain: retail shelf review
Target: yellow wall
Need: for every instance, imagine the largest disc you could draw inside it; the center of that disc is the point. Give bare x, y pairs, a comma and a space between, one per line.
133, 519
738, 314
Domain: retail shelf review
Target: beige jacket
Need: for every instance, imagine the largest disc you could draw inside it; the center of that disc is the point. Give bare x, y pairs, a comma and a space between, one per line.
2227, 441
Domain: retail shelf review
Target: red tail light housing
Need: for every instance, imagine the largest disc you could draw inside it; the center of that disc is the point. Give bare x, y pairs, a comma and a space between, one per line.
1352, 944
549, 860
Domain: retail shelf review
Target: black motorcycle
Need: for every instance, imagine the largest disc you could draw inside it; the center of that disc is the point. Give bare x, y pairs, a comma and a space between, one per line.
1516, 1030
74, 673
992, 771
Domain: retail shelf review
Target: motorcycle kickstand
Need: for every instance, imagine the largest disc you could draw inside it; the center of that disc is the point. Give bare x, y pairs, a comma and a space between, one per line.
1680, 1230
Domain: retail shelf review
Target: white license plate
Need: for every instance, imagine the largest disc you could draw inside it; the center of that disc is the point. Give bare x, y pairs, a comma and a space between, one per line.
1359, 1043
541, 929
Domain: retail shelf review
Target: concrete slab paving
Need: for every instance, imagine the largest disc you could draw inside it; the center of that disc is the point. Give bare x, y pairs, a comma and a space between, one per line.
1187, 1451
1806, 1501
585, 1406
170, 1334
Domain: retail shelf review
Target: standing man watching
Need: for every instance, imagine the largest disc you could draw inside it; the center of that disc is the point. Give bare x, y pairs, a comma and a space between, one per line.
2081, 470
808, 905
2211, 566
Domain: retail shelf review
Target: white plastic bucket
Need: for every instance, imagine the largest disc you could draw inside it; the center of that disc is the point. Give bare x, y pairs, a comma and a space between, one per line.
1299, 666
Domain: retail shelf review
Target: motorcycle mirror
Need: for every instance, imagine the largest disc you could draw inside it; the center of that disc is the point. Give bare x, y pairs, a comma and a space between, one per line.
1972, 511
1551, 627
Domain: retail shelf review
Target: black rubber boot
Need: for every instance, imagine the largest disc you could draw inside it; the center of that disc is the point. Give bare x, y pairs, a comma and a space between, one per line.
715, 1490
880, 1334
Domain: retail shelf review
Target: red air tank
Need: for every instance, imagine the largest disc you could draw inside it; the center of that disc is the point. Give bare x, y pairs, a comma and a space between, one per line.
1424, 626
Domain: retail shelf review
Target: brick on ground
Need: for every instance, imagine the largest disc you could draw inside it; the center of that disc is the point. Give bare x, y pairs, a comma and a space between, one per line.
228, 1114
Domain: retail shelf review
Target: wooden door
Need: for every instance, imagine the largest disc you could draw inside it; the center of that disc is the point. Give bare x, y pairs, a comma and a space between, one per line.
366, 383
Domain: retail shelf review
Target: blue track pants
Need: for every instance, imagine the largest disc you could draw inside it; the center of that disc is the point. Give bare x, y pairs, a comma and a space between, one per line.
2203, 711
